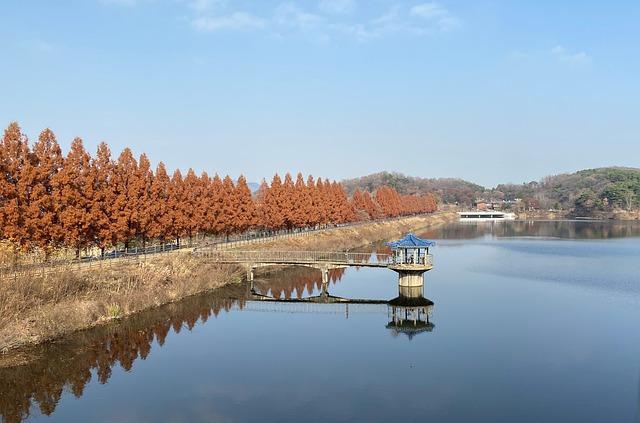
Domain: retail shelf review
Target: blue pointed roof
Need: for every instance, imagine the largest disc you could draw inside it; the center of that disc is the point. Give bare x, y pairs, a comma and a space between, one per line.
411, 241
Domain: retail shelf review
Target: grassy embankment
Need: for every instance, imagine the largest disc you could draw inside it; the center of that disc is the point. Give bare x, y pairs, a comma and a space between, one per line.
43, 308
346, 238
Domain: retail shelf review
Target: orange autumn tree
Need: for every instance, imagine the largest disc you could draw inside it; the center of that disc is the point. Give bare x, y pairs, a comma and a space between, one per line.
323, 203
79, 201
246, 216
204, 204
14, 154
389, 201
216, 205
261, 211
228, 210
41, 218
272, 207
125, 187
302, 203
344, 210
143, 216
73, 196
102, 230
315, 203
287, 202
176, 196
159, 207
190, 206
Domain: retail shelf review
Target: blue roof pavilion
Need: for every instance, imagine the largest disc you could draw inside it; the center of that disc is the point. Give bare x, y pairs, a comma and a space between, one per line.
411, 252
411, 241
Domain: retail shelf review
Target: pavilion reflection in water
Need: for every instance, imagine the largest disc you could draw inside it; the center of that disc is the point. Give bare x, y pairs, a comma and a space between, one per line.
410, 312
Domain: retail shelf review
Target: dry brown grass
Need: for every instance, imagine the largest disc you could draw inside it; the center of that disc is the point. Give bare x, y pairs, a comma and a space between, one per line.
350, 237
36, 309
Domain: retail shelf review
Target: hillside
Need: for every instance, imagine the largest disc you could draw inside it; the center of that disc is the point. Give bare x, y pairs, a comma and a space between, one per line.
586, 192
448, 190
583, 192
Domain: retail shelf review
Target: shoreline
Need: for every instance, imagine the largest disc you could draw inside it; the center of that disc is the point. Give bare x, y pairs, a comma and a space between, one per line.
68, 303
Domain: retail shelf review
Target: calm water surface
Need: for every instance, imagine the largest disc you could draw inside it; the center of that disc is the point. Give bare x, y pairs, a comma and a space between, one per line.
534, 321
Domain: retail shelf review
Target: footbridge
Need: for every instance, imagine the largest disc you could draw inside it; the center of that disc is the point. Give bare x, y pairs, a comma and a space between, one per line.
321, 260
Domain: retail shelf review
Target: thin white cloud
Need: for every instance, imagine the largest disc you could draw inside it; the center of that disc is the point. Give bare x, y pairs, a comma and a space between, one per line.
330, 19
429, 10
289, 14
566, 56
337, 7
557, 54
233, 21
437, 14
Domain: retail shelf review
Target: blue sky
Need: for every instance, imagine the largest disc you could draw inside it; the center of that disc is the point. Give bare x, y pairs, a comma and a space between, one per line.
490, 91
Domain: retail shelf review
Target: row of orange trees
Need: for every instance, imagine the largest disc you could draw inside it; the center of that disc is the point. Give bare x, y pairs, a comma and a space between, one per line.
48, 200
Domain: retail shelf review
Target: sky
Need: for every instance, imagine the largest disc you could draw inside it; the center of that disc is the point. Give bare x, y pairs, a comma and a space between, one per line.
489, 91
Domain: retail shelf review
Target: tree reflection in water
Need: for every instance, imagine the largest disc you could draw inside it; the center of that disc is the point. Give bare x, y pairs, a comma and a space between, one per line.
294, 282
72, 363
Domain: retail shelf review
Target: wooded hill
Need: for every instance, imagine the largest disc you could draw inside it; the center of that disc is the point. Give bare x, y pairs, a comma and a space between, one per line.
584, 193
448, 190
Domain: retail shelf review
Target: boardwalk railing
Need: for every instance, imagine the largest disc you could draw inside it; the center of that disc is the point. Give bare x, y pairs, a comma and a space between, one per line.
309, 258
297, 257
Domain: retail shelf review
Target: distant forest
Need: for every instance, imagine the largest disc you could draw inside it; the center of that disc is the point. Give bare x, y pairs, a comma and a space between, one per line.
447, 190
583, 192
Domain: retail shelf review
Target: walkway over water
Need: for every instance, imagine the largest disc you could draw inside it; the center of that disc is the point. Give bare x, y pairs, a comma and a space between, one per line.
305, 258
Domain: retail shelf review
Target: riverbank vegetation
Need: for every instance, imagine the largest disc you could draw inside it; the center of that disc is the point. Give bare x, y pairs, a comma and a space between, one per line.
51, 203
39, 308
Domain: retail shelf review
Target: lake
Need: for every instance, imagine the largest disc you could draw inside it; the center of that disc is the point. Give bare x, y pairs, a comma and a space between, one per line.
532, 322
